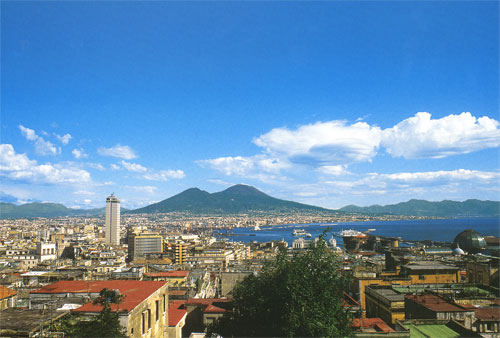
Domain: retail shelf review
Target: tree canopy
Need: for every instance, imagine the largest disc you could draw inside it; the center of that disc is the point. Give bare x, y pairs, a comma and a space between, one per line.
294, 295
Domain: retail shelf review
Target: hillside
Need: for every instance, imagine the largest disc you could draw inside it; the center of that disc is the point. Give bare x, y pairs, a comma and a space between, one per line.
38, 209
236, 199
469, 208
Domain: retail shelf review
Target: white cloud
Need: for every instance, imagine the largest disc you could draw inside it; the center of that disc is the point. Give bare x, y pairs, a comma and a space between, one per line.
64, 139
134, 167
323, 143
244, 166
10, 161
84, 193
146, 188
334, 170
97, 166
119, 151
306, 194
79, 153
422, 137
28, 133
220, 182
42, 147
442, 175
114, 167
19, 167
164, 175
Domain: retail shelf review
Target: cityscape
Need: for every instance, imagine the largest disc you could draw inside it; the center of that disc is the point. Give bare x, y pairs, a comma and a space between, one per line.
192, 169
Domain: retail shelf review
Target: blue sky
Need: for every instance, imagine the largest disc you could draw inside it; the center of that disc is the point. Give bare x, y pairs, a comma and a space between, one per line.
326, 103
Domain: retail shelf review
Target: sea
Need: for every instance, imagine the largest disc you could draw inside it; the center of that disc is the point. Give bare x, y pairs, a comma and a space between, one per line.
440, 230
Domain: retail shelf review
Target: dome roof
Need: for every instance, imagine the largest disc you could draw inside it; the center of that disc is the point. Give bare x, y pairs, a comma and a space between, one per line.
470, 241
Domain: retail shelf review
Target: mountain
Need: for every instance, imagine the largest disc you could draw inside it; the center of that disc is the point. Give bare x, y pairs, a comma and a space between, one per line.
37, 209
236, 199
445, 208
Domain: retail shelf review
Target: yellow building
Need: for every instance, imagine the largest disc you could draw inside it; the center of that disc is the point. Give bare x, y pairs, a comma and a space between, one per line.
383, 302
180, 250
7, 297
430, 272
423, 272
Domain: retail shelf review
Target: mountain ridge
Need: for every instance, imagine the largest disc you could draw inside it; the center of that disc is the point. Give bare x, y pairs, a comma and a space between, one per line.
445, 208
45, 209
239, 198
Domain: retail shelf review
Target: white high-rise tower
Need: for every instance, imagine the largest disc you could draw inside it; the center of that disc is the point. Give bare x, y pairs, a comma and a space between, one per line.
112, 225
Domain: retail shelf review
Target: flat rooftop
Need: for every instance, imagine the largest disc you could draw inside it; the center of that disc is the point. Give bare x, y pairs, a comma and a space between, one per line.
21, 322
431, 330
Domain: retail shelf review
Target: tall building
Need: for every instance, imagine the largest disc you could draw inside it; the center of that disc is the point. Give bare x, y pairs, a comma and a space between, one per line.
112, 226
140, 245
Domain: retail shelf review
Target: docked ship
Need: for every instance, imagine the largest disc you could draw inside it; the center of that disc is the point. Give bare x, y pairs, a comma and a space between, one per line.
299, 232
354, 240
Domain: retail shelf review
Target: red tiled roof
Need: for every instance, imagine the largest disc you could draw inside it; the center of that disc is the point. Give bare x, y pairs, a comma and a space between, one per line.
6, 292
488, 313
436, 303
371, 323
135, 292
172, 274
214, 309
175, 313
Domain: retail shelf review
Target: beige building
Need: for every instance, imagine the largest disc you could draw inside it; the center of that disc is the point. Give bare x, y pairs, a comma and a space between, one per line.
143, 312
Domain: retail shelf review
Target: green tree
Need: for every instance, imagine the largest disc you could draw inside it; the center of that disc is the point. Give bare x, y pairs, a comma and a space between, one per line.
105, 324
294, 295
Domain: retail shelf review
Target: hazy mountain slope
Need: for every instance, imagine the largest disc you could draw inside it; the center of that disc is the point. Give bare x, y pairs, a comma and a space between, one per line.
445, 208
38, 209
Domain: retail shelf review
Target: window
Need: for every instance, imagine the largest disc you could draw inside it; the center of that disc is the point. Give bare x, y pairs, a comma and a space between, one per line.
149, 318
132, 331
157, 310
421, 277
164, 303
143, 323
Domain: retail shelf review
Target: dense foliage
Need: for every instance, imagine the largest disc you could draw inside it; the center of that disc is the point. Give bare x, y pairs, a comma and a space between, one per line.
105, 324
294, 296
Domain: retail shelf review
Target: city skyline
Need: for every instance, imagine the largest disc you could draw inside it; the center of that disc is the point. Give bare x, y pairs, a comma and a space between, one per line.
323, 103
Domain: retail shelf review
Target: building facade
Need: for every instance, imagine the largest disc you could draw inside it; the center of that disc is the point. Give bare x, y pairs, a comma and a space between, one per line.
112, 225
140, 245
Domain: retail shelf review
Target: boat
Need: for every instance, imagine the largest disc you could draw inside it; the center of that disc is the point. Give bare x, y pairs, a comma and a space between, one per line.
353, 239
257, 228
351, 233
308, 235
299, 232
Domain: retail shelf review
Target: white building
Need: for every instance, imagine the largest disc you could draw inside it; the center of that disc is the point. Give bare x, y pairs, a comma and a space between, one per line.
112, 225
46, 251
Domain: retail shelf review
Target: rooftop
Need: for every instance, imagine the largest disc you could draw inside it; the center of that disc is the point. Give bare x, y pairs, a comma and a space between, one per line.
436, 303
361, 324
135, 292
431, 330
175, 312
22, 322
429, 265
170, 274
